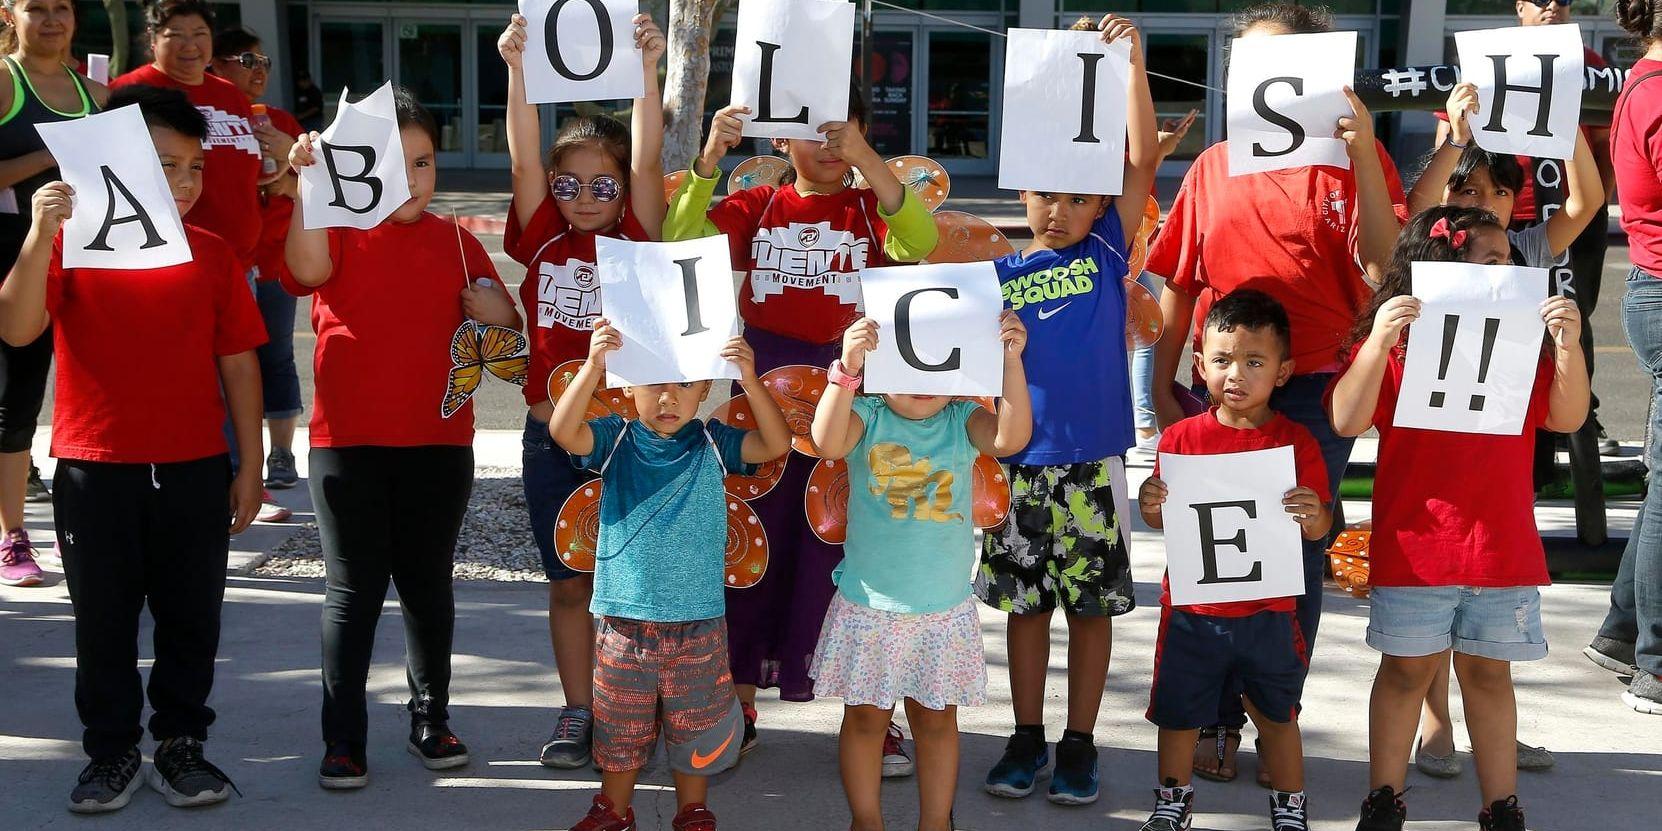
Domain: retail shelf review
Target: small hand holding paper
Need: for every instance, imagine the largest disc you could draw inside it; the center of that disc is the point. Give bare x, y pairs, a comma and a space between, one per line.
605, 339
1114, 27
1563, 321
1356, 129
726, 131
739, 352
649, 39
511, 44
860, 339
1012, 333
844, 140
1151, 498
1306, 507
53, 204
301, 154
1393, 317
1462, 103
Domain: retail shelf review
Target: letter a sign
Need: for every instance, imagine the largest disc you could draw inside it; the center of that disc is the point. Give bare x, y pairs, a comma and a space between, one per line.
124, 215
791, 64
1064, 112
581, 50
1529, 82
1286, 95
359, 178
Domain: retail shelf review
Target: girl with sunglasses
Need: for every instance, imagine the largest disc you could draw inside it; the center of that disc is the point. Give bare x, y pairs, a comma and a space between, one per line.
600, 178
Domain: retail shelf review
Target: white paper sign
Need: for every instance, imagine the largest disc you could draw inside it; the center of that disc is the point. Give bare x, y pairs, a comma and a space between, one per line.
124, 216
581, 50
673, 304
1474, 352
1228, 537
937, 329
1529, 84
98, 67
791, 63
1064, 112
359, 177
1286, 97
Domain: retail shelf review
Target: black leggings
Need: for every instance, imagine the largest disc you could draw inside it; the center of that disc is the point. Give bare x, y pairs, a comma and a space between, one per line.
387, 513
23, 371
133, 535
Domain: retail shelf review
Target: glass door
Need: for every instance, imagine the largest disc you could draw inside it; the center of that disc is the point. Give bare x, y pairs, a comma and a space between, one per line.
1184, 56
893, 90
350, 55
490, 76
958, 122
430, 66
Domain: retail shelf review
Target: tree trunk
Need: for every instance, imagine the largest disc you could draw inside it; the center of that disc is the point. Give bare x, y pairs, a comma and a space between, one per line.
120, 38
691, 23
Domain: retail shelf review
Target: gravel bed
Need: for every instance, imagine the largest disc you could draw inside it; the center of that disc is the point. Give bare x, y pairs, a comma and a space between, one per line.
495, 542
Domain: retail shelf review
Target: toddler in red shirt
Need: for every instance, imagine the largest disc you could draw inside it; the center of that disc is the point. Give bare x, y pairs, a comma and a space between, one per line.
144, 495
1246, 353
1456, 560
391, 447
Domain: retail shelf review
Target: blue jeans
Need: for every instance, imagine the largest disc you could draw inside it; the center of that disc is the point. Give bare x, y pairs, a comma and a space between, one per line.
550, 479
1636, 597
1142, 368
279, 382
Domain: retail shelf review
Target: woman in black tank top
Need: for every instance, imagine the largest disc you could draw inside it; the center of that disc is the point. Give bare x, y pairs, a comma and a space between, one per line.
35, 88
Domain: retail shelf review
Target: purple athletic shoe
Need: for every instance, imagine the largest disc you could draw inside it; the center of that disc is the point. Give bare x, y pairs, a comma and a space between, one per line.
17, 561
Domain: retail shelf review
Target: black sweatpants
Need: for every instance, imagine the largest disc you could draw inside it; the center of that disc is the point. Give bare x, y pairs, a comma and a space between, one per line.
131, 535
387, 513
23, 371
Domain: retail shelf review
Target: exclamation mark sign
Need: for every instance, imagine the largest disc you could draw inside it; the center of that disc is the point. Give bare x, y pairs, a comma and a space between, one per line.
1491, 328
1451, 326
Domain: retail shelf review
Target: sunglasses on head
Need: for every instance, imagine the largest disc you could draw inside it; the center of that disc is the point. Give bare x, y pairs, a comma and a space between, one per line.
566, 188
1547, 4
250, 60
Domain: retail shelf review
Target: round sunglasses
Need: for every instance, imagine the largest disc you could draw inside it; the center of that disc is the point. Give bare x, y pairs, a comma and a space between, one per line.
566, 188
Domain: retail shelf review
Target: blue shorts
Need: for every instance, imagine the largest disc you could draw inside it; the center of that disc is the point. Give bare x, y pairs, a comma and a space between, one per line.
1503, 624
550, 479
1198, 656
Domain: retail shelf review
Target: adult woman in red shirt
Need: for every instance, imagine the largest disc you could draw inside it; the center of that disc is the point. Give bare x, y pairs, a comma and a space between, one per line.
1630, 641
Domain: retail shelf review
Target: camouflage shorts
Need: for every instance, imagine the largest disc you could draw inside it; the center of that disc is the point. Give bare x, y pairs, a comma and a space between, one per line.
1061, 546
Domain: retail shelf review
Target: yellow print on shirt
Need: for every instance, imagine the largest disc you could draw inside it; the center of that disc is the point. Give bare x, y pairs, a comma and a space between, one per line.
906, 484
1051, 283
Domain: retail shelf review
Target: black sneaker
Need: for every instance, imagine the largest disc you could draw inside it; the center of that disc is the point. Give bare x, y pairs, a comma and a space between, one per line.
1026, 760
1289, 811
107, 784
1503, 815
1644, 694
436, 747
184, 778
1075, 780
37, 491
1616, 656
1172, 809
1383, 811
280, 473
749, 742
344, 767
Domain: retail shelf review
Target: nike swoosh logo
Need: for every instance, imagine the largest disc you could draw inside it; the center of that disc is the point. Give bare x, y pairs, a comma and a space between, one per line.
1046, 314
702, 761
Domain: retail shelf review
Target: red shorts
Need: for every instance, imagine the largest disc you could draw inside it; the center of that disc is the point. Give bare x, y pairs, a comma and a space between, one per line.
670, 674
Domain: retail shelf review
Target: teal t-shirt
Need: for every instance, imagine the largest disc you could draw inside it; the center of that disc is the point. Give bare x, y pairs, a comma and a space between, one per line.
911, 536
663, 519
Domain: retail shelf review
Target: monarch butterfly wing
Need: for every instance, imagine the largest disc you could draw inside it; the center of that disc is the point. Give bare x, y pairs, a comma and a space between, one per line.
501, 348
464, 380
464, 345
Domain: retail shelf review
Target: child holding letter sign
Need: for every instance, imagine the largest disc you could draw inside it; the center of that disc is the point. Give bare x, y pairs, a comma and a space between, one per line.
601, 179
802, 245
903, 625
661, 656
1456, 561
1206, 650
1063, 546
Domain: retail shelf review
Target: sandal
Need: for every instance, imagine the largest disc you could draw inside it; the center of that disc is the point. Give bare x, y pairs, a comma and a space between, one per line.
1217, 740
1263, 764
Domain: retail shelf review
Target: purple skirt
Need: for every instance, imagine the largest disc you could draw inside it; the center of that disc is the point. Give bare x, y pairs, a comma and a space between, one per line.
773, 626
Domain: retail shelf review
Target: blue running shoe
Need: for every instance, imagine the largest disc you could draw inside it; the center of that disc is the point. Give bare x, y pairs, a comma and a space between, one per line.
1075, 780
1026, 760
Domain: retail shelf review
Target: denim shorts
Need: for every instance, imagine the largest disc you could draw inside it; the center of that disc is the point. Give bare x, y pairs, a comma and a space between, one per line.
1503, 624
550, 479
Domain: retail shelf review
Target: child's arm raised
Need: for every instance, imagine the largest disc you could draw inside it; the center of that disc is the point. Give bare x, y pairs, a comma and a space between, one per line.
687, 216
772, 437
307, 250
23, 314
1428, 191
836, 429
1584, 195
1009, 431
646, 130
239, 375
1142, 130
1356, 394
1571, 395
524, 127
912, 231
568, 427
1376, 232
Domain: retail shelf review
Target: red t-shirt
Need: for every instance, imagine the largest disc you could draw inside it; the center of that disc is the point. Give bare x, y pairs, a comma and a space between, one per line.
1455, 509
384, 322
561, 294
1636, 153
275, 213
1204, 435
138, 375
803, 256
229, 205
1290, 233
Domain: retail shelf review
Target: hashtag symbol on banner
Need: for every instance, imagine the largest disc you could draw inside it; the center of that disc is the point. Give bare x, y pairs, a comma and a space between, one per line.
1399, 81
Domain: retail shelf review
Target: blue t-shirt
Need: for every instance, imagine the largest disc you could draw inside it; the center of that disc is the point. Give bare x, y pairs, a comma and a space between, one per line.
663, 519
1072, 301
911, 535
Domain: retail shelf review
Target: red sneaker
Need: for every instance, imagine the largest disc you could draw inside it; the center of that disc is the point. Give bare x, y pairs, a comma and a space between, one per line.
896, 764
749, 742
694, 817
602, 817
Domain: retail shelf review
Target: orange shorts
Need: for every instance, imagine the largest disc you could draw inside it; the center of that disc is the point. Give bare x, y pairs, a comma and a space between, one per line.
671, 674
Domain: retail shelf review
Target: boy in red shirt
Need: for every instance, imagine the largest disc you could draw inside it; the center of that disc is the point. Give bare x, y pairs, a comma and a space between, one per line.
144, 496
1257, 644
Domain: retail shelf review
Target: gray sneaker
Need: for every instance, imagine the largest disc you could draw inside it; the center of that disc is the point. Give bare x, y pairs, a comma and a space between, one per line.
107, 784
1616, 656
568, 747
1644, 694
184, 778
279, 469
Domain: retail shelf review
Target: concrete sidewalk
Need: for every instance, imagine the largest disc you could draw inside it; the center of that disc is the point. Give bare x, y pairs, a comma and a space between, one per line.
1609, 772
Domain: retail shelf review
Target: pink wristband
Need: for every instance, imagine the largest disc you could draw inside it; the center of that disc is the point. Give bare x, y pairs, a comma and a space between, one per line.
839, 375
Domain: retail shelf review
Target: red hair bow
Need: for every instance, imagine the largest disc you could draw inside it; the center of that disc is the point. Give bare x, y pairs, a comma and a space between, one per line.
1440, 230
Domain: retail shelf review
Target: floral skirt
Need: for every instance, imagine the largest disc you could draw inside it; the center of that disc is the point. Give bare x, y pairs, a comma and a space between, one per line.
869, 656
